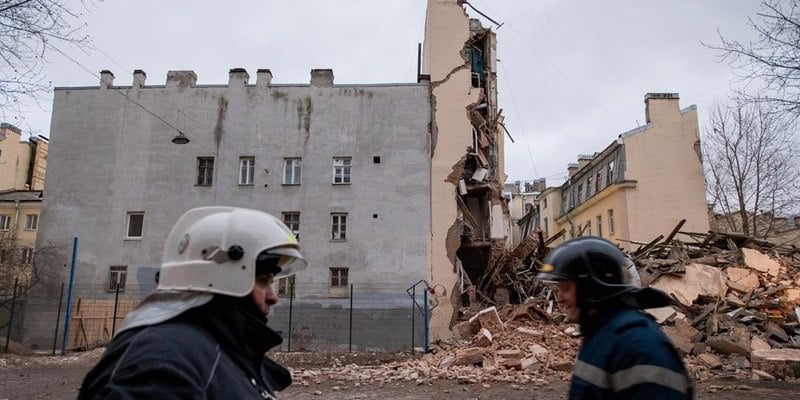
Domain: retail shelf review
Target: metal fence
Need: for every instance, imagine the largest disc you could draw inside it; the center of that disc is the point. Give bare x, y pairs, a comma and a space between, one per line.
380, 317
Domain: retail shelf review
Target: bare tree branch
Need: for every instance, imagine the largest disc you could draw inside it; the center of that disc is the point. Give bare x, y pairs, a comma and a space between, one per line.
753, 165
772, 60
28, 29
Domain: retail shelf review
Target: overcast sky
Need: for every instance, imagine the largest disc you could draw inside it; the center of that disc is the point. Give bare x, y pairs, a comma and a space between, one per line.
572, 74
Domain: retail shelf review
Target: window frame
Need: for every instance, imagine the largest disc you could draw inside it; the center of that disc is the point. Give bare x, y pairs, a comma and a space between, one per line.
292, 165
128, 225
285, 286
26, 256
31, 222
341, 275
343, 171
289, 223
611, 227
247, 170
5, 222
114, 274
339, 227
600, 225
205, 171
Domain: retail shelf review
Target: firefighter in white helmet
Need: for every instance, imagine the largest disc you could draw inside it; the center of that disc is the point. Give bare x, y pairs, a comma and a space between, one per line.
203, 333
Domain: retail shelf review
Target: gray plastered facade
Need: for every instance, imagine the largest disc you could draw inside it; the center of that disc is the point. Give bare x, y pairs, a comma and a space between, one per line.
111, 154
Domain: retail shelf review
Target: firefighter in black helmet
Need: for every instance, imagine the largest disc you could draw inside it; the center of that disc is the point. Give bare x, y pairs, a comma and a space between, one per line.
624, 354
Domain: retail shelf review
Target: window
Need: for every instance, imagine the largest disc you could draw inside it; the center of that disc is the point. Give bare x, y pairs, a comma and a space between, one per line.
31, 222
286, 286
546, 227
27, 256
610, 174
610, 221
117, 275
338, 226
205, 171
544, 203
588, 228
5, 221
589, 187
376, 159
292, 220
135, 223
600, 225
341, 170
247, 167
292, 167
580, 193
339, 277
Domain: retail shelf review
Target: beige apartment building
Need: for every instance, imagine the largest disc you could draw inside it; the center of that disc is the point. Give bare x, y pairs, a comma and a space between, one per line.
640, 186
22, 170
22, 163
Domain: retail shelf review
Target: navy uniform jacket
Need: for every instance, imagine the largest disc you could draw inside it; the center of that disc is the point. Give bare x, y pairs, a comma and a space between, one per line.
209, 352
627, 356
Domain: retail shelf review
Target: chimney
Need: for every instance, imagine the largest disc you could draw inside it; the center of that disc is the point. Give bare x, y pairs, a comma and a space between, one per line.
263, 78
181, 80
322, 77
237, 78
106, 79
656, 103
539, 185
138, 78
584, 159
572, 168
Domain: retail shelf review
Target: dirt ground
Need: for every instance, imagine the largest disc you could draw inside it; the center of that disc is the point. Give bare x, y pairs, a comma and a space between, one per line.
59, 377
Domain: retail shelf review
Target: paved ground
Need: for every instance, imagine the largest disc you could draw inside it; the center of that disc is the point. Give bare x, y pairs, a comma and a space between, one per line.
30, 377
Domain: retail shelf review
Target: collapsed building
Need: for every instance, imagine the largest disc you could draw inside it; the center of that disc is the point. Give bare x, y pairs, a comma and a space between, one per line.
470, 219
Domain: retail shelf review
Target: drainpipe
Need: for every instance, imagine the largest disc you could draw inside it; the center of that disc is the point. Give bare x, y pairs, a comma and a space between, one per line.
16, 217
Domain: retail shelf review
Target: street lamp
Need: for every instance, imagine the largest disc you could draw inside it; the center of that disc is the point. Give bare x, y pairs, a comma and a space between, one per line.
180, 138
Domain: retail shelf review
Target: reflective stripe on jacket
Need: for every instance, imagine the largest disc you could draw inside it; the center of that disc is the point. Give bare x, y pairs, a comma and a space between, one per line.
629, 357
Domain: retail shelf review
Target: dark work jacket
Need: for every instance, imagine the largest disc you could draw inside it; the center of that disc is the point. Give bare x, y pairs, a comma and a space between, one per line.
625, 355
210, 352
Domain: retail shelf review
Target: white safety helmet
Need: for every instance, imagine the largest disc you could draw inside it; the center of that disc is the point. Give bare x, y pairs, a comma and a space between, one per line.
216, 249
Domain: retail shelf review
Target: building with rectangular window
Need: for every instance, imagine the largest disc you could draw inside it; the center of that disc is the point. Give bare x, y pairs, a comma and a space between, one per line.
118, 172
640, 186
23, 163
391, 180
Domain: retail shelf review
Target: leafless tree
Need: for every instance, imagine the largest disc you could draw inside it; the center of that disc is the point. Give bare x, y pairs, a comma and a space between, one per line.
772, 60
29, 31
753, 165
24, 266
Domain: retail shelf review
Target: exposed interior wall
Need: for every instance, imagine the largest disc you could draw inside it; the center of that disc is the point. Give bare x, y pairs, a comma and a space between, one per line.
446, 31
468, 214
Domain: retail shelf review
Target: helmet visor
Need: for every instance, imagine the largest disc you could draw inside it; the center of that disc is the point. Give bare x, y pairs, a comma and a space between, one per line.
548, 273
289, 261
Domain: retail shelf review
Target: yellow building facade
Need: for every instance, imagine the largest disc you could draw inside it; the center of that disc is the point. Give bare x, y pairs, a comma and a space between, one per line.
640, 186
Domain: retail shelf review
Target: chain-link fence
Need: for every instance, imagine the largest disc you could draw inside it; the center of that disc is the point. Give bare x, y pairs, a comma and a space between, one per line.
382, 317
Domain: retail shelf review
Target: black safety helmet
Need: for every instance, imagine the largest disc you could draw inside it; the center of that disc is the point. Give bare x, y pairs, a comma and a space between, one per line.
593, 263
596, 266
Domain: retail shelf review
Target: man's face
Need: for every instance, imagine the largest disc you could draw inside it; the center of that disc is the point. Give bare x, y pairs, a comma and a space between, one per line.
567, 297
262, 294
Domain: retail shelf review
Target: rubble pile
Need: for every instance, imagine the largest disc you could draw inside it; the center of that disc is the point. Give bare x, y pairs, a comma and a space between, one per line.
737, 308
737, 300
518, 343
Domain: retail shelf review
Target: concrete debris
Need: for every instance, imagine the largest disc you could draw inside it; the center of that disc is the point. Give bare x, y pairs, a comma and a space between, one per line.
760, 262
698, 279
780, 363
735, 297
